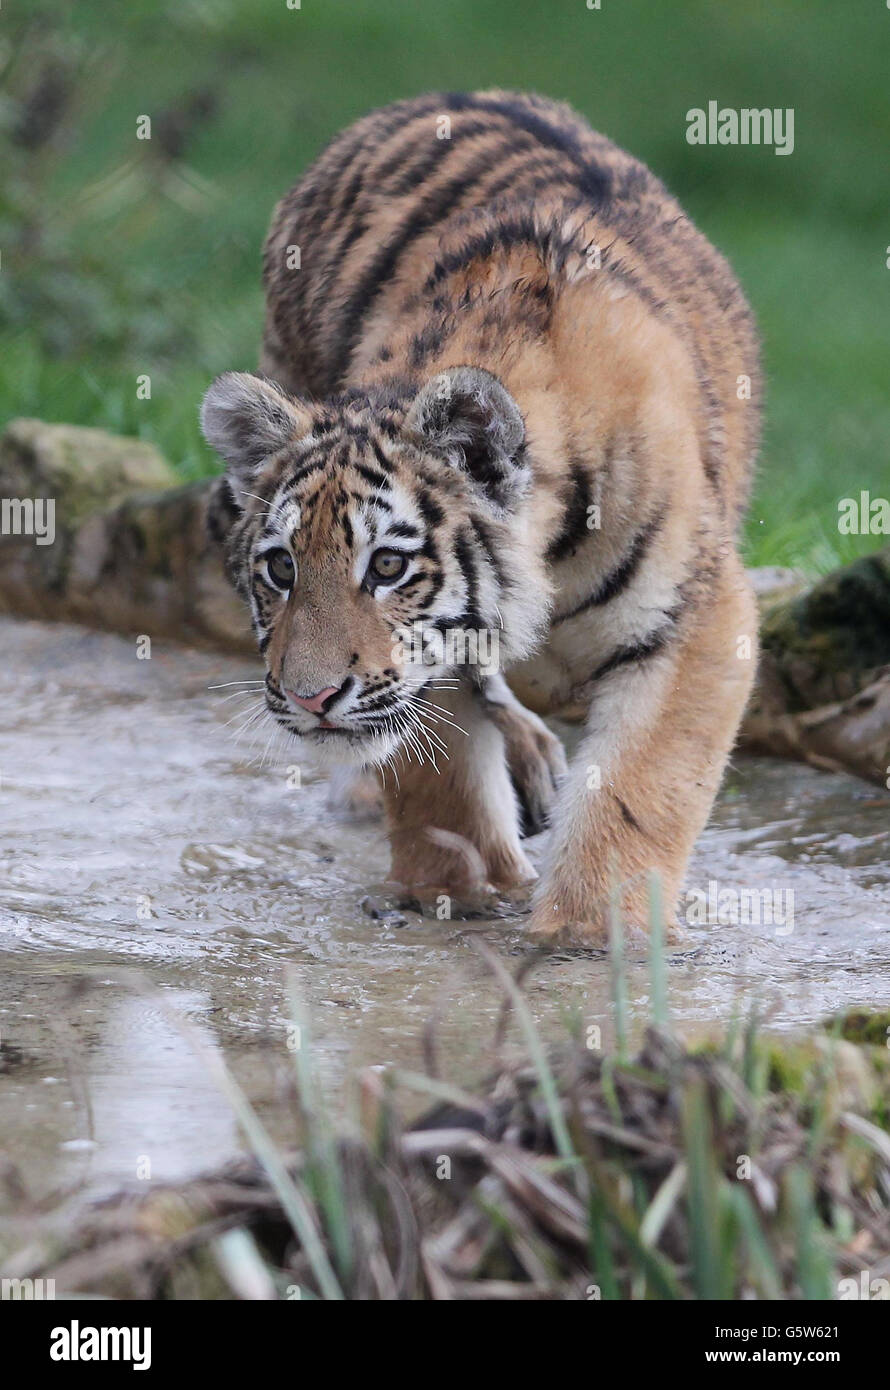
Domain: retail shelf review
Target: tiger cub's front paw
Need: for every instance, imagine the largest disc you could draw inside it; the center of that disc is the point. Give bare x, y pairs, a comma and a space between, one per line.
571, 919
548, 925
537, 764
467, 904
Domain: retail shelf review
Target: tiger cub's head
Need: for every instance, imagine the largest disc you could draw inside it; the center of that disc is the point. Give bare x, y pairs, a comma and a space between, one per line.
383, 542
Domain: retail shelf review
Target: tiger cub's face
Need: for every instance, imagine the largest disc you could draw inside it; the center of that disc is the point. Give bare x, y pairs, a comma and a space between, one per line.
381, 545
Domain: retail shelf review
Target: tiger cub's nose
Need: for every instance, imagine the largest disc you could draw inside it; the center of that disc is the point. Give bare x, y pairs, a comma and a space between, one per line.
316, 704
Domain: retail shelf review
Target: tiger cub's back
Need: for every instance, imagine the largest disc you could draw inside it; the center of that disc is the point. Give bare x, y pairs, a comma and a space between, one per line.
398, 192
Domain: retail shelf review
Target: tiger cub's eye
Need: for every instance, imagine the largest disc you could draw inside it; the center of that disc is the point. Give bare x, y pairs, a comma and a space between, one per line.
280, 568
388, 565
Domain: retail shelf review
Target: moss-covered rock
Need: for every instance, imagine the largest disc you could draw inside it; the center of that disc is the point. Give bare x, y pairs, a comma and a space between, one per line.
859, 1026
829, 642
830, 1070
823, 686
81, 469
130, 549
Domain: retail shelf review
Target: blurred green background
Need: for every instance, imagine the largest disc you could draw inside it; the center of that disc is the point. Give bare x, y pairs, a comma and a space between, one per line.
122, 257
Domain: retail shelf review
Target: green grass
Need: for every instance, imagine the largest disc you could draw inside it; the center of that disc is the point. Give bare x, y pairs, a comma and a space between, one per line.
118, 260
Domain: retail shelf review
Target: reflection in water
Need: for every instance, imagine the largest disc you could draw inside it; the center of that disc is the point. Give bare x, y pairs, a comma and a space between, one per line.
154, 1106
138, 833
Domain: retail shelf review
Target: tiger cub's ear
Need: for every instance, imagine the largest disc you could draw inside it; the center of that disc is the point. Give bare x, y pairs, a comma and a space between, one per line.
467, 415
245, 419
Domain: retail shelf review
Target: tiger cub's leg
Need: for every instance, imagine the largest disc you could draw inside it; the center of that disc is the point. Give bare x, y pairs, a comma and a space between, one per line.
536, 759
536, 762
454, 828
659, 732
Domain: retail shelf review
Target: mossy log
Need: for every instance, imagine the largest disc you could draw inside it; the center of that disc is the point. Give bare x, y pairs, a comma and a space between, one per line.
823, 688
130, 551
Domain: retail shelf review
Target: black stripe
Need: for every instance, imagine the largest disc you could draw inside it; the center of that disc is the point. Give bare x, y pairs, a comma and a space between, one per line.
381, 702
294, 482
310, 462
309, 504
618, 579
373, 141
628, 816
429, 549
640, 651
383, 459
540, 167
517, 231
485, 540
436, 580
593, 180
631, 280
432, 339
404, 528
388, 426
429, 508
431, 208
575, 518
371, 475
429, 160
463, 552
374, 501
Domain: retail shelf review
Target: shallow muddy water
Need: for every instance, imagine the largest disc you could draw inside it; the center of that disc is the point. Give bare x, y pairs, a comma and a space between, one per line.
152, 867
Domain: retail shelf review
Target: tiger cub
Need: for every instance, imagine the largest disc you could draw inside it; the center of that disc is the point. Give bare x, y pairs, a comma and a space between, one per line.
509, 405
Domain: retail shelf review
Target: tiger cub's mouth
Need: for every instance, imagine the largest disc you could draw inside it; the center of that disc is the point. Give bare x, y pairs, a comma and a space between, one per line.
368, 727
351, 738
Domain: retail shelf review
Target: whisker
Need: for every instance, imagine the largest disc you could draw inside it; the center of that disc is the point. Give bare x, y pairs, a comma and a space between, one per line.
437, 720
252, 720
225, 684
265, 501
411, 742
237, 694
429, 733
428, 736
409, 738
418, 703
239, 714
